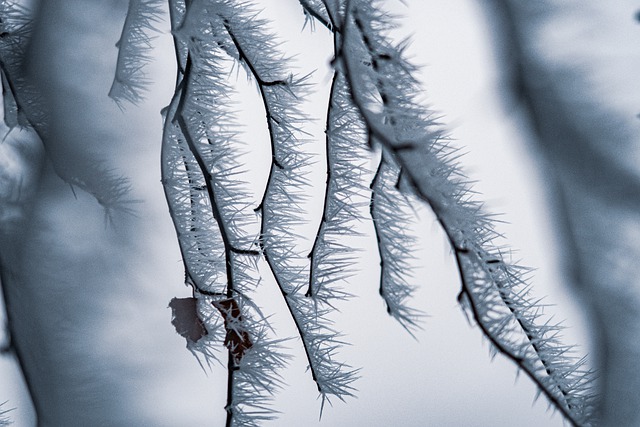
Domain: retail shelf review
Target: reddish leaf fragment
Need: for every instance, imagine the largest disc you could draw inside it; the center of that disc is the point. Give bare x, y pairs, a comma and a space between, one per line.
184, 317
237, 339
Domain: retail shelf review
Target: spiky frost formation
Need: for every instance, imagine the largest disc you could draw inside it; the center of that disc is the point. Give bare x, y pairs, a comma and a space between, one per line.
198, 232
316, 10
495, 291
210, 34
134, 51
206, 114
255, 380
280, 207
255, 358
392, 214
391, 225
331, 258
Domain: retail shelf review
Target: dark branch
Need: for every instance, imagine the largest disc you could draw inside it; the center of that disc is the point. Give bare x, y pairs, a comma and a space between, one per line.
275, 165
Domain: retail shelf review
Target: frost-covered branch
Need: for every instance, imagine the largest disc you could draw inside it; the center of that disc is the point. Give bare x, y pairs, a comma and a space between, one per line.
346, 156
205, 130
392, 215
280, 206
384, 90
134, 50
394, 268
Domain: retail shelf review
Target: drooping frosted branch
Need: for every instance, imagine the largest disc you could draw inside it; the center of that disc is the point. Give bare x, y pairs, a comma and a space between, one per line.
197, 230
331, 258
134, 51
200, 113
384, 90
241, 35
387, 213
392, 215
